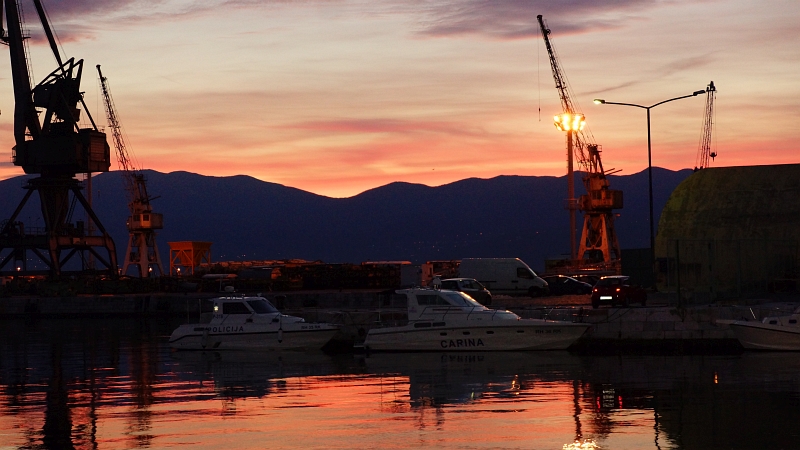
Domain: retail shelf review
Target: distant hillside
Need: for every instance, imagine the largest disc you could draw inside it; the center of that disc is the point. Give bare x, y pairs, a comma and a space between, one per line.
250, 219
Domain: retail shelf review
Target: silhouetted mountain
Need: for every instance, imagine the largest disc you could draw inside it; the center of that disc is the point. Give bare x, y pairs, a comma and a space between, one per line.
248, 219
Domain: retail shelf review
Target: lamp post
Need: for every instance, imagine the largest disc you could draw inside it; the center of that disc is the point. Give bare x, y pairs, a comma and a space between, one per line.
600, 101
570, 123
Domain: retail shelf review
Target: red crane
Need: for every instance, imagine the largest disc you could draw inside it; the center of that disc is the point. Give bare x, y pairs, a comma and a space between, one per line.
599, 248
704, 149
142, 252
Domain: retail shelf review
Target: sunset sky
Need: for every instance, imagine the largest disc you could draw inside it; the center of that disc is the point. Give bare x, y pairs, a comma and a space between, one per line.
337, 97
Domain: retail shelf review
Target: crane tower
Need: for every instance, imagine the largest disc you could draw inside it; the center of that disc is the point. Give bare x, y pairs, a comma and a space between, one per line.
50, 143
599, 248
704, 149
142, 252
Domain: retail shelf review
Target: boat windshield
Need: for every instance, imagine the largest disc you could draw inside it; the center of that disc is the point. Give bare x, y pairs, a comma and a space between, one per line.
459, 299
262, 306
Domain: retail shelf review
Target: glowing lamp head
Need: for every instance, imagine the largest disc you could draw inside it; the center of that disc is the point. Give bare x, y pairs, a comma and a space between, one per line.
569, 122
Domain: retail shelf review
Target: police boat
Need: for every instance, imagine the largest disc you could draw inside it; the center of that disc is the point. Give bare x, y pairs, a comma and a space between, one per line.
445, 320
251, 323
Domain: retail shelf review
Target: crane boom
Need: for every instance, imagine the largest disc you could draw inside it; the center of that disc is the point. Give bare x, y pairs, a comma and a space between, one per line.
142, 249
564, 94
123, 160
561, 83
704, 149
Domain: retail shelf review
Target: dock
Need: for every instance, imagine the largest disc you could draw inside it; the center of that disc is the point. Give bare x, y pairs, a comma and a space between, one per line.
660, 326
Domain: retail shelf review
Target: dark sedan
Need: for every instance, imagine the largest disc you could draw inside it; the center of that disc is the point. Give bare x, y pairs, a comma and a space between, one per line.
564, 285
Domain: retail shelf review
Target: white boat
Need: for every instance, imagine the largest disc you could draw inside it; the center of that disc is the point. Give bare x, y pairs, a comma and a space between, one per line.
772, 333
250, 323
444, 320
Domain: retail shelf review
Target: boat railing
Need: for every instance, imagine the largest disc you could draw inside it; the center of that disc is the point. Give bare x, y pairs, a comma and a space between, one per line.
436, 311
450, 310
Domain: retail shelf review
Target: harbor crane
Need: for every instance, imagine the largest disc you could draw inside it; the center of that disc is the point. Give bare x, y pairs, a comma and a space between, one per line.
50, 143
704, 149
599, 248
142, 252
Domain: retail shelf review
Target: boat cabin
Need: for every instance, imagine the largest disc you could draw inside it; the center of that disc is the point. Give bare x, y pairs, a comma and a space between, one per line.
248, 309
785, 321
440, 304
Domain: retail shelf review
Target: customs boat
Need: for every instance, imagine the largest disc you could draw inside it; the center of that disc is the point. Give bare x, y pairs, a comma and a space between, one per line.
251, 323
772, 333
452, 321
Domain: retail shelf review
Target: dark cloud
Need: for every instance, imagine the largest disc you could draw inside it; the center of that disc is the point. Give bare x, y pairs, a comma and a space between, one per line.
607, 89
158, 10
70, 9
515, 19
683, 64
77, 20
663, 71
73, 20
494, 19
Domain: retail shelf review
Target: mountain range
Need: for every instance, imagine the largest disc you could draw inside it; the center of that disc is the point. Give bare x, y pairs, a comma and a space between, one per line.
249, 219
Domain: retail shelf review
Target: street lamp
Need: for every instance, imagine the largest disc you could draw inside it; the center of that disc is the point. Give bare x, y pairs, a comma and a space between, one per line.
600, 101
570, 123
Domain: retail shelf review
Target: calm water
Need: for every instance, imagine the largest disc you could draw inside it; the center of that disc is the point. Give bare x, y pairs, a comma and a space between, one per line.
114, 384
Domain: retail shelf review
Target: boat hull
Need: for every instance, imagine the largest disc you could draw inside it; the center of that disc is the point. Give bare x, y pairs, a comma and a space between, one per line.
252, 337
762, 336
502, 336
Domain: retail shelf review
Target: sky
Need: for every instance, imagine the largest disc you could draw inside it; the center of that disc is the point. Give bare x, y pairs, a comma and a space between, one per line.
337, 97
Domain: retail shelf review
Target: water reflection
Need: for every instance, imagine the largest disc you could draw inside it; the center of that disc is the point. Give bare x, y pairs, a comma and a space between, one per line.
66, 371
256, 374
550, 384
586, 444
444, 378
100, 384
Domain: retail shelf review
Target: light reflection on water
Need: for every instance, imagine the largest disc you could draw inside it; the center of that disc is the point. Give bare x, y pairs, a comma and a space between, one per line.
115, 384
585, 444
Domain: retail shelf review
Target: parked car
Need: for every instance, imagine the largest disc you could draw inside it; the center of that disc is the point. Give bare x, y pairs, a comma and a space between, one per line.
564, 285
617, 290
470, 287
586, 278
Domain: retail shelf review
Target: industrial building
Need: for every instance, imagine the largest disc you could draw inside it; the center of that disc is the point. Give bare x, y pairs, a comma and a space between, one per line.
731, 232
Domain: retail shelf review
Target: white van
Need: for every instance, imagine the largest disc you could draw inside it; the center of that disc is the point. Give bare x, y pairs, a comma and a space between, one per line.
504, 276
